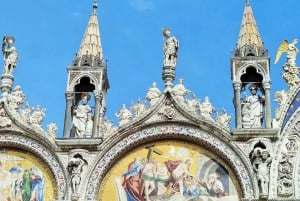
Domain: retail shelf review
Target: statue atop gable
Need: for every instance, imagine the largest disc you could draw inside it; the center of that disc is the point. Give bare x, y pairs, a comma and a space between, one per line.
10, 54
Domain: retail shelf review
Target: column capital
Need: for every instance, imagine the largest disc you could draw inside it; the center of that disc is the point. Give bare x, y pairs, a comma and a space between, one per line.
69, 95
98, 94
266, 85
237, 85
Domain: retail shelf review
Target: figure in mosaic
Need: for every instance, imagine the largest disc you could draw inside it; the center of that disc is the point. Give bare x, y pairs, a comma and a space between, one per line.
10, 54
80, 116
170, 48
252, 109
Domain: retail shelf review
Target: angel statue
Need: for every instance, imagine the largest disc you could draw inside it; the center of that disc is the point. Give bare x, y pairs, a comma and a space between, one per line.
291, 71
10, 54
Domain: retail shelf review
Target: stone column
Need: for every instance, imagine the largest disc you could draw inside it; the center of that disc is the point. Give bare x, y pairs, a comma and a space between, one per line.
98, 98
267, 86
7, 82
237, 104
67, 124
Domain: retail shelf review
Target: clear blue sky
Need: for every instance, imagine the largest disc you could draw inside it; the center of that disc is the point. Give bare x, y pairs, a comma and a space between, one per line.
48, 34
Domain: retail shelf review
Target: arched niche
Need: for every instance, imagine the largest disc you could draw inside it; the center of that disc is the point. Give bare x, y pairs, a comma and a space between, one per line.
196, 144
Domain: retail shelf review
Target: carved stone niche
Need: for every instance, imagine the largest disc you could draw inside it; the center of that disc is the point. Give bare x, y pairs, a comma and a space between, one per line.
77, 167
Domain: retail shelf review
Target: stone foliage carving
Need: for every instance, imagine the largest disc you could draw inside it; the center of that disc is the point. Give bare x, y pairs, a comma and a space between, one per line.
168, 110
223, 119
107, 128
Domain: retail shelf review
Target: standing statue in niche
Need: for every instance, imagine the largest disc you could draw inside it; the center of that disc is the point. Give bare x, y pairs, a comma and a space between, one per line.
261, 165
252, 109
81, 117
10, 54
170, 48
75, 167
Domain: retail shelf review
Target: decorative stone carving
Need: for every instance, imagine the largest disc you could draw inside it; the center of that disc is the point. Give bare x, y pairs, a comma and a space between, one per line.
51, 132
37, 117
280, 97
153, 94
168, 110
223, 119
285, 176
16, 98
107, 128
193, 105
124, 115
261, 161
206, 109
10, 54
138, 108
291, 71
252, 109
179, 91
75, 168
4, 119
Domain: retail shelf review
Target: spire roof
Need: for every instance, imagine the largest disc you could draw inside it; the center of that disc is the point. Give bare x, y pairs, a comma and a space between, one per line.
249, 34
91, 43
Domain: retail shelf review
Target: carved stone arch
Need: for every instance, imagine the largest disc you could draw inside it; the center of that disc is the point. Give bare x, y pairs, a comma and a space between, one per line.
286, 156
153, 134
15, 142
252, 73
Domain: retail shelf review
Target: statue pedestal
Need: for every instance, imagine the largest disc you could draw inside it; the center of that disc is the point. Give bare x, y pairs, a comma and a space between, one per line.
75, 196
168, 76
6, 84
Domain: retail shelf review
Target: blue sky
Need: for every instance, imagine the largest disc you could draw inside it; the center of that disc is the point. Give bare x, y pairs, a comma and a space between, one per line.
48, 34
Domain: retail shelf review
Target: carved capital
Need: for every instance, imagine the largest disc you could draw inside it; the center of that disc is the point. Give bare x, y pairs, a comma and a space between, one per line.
266, 85
98, 94
69, 95
237, 86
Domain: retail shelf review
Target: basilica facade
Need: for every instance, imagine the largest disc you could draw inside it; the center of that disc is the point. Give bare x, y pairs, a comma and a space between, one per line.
169, 147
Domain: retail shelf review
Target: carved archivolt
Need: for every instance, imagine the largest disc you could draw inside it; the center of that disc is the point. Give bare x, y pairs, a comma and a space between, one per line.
202, 138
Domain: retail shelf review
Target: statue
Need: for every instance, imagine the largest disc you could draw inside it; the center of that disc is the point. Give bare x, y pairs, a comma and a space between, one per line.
10, 54
291, 71
252, 109
170, 48
179, 91
124, 115
75, 167
80, 116
37, 117
261, 165
153, 94
206, 109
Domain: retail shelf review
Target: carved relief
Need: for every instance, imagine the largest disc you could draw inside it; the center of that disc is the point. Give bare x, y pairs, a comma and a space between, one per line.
285, 176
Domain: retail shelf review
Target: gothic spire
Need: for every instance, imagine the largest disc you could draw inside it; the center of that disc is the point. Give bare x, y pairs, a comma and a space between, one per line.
249, 42
91, 48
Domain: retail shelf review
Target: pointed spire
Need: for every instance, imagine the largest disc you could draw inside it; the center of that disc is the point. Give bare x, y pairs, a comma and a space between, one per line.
91, 47
249, 41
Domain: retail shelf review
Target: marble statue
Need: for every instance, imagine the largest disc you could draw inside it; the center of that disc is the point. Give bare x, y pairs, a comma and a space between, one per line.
153, 94
261, 165
37, 117
170, 49
80, 116
124, 115
223, 119
252, 109
10, 54
290, 68
206, 109
16, 98
75, 167
180, 91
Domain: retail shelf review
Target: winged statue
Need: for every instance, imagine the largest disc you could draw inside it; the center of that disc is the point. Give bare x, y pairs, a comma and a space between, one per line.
290, 49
